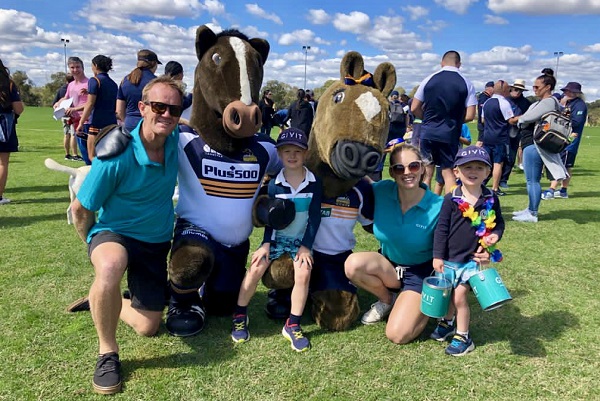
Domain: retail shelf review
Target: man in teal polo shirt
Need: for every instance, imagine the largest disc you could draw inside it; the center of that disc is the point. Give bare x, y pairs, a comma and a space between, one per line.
131, 189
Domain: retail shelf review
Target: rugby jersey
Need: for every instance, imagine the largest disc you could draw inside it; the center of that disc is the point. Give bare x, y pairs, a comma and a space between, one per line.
339, 215
217, 192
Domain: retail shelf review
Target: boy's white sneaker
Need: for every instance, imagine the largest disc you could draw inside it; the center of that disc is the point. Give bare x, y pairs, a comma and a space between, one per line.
526, 218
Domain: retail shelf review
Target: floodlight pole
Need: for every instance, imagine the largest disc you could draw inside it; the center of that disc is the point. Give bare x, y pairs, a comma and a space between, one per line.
557, 55
65, 42
306, 49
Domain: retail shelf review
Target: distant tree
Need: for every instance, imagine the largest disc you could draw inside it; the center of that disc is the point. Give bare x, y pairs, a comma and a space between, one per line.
283, 94
26, 87
401, 90
413, 91
320, 90
48, 91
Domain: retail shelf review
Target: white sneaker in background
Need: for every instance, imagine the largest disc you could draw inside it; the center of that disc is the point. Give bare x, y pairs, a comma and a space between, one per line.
526, 218
4, 201
519, 212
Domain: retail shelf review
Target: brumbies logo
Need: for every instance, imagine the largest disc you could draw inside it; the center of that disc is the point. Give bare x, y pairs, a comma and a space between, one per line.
248, 156
230, 180
342, 201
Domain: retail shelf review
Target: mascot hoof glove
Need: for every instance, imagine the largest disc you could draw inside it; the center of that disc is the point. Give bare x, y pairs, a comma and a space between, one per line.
279, 304
185, 321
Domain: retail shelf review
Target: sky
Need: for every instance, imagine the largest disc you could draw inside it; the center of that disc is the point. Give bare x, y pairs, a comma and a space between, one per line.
497, 39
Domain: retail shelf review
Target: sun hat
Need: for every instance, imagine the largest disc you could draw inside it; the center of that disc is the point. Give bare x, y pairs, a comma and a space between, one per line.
519, 84
574, 87
472, 154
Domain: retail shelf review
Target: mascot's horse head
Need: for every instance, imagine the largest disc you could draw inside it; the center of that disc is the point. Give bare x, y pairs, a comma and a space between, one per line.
227, 82
351, 125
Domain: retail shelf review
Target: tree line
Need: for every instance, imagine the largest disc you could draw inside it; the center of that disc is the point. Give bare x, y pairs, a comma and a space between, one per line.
283, 94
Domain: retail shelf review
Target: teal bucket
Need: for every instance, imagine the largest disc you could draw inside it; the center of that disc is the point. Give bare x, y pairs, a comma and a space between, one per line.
435, 296
489, 289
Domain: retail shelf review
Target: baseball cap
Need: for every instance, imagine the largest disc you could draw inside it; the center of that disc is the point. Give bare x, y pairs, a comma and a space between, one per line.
292, 136
395, 93
148, 55
489, 84
472, 154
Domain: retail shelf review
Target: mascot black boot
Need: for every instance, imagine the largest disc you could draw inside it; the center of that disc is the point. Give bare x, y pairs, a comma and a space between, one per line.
186, 315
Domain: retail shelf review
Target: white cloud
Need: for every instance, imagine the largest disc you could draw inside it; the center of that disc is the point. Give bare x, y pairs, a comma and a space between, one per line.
318, 17
253, 32
494, 20
500, 55
159, 9
355, 22
301, 36
255, 10
214, 7
595, 48
457, 6
416, 12
433, 26
388, 35
545, 7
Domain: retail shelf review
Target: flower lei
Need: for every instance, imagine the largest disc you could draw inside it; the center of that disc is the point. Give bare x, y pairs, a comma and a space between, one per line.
484, 226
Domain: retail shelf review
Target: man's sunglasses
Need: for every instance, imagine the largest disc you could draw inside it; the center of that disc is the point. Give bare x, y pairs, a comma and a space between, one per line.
413, 167
160, 108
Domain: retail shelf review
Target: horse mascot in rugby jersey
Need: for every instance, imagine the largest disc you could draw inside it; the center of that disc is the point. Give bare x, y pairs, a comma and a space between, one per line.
222, 163
346, 144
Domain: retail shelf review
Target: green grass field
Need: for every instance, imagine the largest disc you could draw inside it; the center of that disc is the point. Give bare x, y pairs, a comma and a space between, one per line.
541, 346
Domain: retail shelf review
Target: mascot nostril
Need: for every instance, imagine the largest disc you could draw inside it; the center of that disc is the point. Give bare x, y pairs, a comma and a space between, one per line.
352, 160
240, 120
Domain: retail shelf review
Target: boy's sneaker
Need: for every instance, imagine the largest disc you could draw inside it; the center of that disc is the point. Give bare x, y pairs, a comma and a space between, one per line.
68, 157
504, 185
499, 192
526, 217
296, 337
442, 331
548, 194
379, 311
107, 377
460, 346
77, 158
561, 194
240, 333
4, 201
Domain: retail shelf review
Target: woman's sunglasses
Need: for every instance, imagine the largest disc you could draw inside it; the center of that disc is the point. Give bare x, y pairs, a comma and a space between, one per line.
160, 108
413, 167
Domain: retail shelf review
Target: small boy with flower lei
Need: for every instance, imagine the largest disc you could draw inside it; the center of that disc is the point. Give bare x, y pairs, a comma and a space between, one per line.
470, 219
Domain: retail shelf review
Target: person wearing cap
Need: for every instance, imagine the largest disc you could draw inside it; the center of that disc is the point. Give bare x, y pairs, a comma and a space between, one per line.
498, 115
294, 182
517, 96
573, 99
457, 236
444, 100
487, 93
130, 89
174, 69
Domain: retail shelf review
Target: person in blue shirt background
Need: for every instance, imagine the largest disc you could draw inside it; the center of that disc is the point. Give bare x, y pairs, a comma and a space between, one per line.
130, 90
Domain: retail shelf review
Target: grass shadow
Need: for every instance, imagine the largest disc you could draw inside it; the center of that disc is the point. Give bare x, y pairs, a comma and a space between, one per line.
580, 216
41, 188
16, 221
526, 334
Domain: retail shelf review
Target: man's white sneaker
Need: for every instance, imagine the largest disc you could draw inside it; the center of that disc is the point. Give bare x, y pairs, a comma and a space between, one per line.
520, 212
526, 218
379, 311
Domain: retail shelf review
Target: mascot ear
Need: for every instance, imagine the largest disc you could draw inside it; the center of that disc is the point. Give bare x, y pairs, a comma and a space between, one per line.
262, 47
385, 78
205, 39
353, 65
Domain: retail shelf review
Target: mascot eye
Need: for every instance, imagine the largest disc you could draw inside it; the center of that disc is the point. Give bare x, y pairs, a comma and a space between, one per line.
216, 58
338, 97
